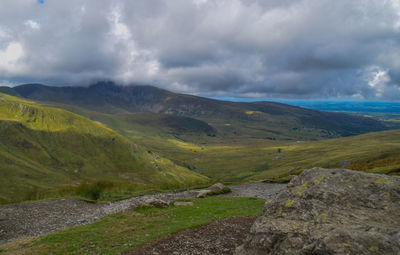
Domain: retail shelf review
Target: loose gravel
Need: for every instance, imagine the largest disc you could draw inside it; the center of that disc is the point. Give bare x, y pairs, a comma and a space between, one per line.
34, 219
219, 237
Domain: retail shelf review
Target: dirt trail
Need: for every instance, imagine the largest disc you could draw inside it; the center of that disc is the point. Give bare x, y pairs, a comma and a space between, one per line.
35, 219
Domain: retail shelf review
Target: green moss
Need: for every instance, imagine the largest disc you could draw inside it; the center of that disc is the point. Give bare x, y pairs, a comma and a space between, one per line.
289, 203
322, 217
279, 211
373, 248
299, 190
318, 180
382, 181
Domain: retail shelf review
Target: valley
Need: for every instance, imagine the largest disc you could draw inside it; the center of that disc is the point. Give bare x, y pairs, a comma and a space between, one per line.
132, 139
78, 148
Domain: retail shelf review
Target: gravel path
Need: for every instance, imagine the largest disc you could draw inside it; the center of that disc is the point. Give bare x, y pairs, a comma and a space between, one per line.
260, 190
35, 219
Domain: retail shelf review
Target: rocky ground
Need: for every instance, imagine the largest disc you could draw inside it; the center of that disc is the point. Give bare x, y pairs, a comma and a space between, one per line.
35, 219
219, 237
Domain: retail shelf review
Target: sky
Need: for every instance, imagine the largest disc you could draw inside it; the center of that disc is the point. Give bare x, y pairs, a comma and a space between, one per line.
300, 49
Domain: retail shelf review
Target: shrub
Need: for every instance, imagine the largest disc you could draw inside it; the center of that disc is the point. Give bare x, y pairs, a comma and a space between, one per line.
93, 191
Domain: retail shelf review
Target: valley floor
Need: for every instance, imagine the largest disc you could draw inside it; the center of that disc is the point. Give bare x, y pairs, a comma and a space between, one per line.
35, 219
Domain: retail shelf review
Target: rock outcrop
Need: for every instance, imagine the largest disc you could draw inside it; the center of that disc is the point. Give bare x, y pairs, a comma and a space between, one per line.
330, 211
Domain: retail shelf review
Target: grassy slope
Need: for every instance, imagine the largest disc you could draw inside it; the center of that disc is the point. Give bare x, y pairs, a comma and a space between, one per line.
44, 147
125, 231
374, 152
241, 157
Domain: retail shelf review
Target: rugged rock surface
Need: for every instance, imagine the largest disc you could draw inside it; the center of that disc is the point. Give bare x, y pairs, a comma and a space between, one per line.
334, 211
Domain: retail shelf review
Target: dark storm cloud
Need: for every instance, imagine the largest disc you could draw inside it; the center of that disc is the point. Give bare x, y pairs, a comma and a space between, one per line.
255, 48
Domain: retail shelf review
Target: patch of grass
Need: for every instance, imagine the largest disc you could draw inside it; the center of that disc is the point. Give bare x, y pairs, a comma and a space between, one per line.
122, 232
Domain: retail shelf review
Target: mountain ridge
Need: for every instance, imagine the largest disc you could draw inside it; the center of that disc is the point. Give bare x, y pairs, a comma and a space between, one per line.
259, 119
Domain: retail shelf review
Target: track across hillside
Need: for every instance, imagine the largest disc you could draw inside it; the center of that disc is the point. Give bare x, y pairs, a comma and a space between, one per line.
34, 219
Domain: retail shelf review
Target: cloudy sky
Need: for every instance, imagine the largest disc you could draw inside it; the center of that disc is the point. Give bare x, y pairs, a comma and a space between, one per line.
218, 48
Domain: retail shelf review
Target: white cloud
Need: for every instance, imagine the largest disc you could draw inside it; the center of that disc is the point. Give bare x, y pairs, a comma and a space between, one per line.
287, 48
378, 79
32, 24
10, 56
119, 28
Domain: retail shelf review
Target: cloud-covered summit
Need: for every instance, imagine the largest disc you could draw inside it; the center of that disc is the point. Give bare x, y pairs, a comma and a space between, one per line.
242, 48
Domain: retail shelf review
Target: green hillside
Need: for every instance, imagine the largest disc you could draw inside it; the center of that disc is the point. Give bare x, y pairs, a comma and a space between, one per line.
374, 152
46, 148
229, 120
151, 137
277, 160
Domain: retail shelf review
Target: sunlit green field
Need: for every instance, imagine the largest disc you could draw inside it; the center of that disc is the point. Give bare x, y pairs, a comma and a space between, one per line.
43, 149
258, 160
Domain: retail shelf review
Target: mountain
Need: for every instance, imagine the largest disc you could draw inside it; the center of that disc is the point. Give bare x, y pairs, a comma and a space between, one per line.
47, 148
262, 120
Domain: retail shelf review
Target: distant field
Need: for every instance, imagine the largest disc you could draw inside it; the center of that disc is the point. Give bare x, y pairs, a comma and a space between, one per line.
260, 159
333, 105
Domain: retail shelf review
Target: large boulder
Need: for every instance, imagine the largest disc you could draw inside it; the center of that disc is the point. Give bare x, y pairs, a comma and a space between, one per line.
326, 212
217, 187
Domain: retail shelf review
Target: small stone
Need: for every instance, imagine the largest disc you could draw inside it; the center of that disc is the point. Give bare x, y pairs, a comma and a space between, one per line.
182, 203
157, 202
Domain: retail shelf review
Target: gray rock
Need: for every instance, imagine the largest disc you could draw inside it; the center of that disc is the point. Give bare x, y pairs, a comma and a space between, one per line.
156, 202
217, 187
203, 193
334, 211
